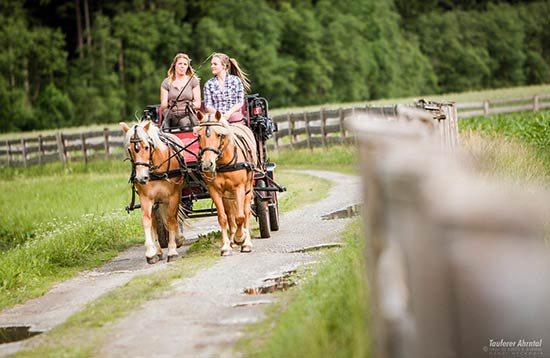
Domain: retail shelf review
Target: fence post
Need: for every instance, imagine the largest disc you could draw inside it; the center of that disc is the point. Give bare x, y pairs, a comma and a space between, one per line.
83, 145
486, 107
10, 158
342, 127
536, 103
106, 138
61, 149
323, 127
308, 132
24, 151
290, 130
40, 149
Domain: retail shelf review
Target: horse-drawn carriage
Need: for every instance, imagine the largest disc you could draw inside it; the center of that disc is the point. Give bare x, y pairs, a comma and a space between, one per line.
188, 155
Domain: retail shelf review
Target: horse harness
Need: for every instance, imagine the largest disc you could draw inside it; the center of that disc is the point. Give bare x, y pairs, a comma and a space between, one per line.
240, 143
154, 175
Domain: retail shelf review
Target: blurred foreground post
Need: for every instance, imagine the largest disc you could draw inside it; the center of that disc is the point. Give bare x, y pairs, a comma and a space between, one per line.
457, 266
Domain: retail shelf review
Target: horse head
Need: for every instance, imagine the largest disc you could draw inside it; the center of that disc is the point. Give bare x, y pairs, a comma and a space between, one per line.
214, 134
140, 146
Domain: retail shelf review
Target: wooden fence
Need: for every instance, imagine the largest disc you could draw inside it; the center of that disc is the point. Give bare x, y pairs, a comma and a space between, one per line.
509, 105
296, 130
458, 266
61, 147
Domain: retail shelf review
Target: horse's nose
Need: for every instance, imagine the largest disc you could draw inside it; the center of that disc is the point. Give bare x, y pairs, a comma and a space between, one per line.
143, 179
207, 166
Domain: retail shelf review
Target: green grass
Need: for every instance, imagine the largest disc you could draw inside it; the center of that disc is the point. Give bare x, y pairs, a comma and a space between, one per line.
60, 250
327, 317
33, 197
335, 158
527, 132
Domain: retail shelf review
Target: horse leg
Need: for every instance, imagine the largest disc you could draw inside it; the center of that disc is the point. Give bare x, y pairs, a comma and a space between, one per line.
247, 244
222, 221
229, 209
150, 247
154, 234
239, 214
172, 226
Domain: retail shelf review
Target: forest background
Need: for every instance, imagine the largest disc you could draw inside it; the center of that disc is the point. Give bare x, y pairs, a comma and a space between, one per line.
81, 62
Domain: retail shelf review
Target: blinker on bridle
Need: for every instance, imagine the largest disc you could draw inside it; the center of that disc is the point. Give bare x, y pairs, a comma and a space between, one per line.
136, 139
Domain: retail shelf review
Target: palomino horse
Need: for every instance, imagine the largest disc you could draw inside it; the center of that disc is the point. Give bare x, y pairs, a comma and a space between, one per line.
228, 159
158, 178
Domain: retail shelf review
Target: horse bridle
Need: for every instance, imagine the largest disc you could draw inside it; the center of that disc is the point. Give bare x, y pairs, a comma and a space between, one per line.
218, 151
136, 139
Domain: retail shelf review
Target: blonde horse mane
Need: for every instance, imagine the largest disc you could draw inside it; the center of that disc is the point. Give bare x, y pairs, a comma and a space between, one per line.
224, 128
138, 128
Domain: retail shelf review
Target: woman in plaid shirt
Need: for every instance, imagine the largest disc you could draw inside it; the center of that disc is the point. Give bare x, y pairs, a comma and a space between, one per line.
225, 90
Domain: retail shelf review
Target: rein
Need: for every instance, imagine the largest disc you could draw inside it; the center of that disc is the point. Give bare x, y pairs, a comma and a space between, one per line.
154, 175
232, 165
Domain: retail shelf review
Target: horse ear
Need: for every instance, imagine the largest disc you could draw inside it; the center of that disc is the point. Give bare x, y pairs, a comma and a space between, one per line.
200, 116
218, 116
124, 126
146, 126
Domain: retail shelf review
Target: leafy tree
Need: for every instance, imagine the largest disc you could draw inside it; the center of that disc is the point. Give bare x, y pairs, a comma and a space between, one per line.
249, 31
55, 108
301, 42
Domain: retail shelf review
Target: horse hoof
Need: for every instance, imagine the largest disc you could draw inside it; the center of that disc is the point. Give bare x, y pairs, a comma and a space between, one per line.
152, 260
226, 252
160, 256
246, 248
234, 245
172, 258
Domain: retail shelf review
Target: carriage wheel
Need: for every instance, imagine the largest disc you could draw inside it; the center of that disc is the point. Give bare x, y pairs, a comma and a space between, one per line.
273, 212
162, 233
261, 211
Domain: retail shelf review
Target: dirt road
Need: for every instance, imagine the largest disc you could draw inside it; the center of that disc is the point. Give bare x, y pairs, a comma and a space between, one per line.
203, 315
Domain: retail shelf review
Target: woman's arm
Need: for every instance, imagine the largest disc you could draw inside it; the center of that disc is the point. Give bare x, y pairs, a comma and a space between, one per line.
164, 98
197, 97
239, 97
236, 108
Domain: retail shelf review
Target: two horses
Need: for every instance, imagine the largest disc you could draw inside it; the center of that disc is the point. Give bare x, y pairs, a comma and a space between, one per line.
158, 176
228, 157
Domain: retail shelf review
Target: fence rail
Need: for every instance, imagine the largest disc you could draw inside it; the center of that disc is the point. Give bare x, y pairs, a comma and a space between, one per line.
321, 128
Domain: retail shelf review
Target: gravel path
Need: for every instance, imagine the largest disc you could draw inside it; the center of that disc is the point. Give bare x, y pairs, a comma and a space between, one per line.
203, 315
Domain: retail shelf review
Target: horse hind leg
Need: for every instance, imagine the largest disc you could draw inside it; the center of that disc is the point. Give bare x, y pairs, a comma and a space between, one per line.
247, 244
229, 208
172, 225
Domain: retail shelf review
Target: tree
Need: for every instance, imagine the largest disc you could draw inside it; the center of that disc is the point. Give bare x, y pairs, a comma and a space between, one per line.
55, 108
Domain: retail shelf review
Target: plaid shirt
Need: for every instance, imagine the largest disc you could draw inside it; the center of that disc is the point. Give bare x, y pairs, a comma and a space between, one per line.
222, 99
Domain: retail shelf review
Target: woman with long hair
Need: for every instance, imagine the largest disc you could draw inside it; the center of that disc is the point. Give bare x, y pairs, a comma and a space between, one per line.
225, 91
180, 94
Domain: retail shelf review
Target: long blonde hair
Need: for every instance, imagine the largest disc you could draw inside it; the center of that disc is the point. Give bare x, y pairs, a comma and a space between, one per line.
232, 67
172, 70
